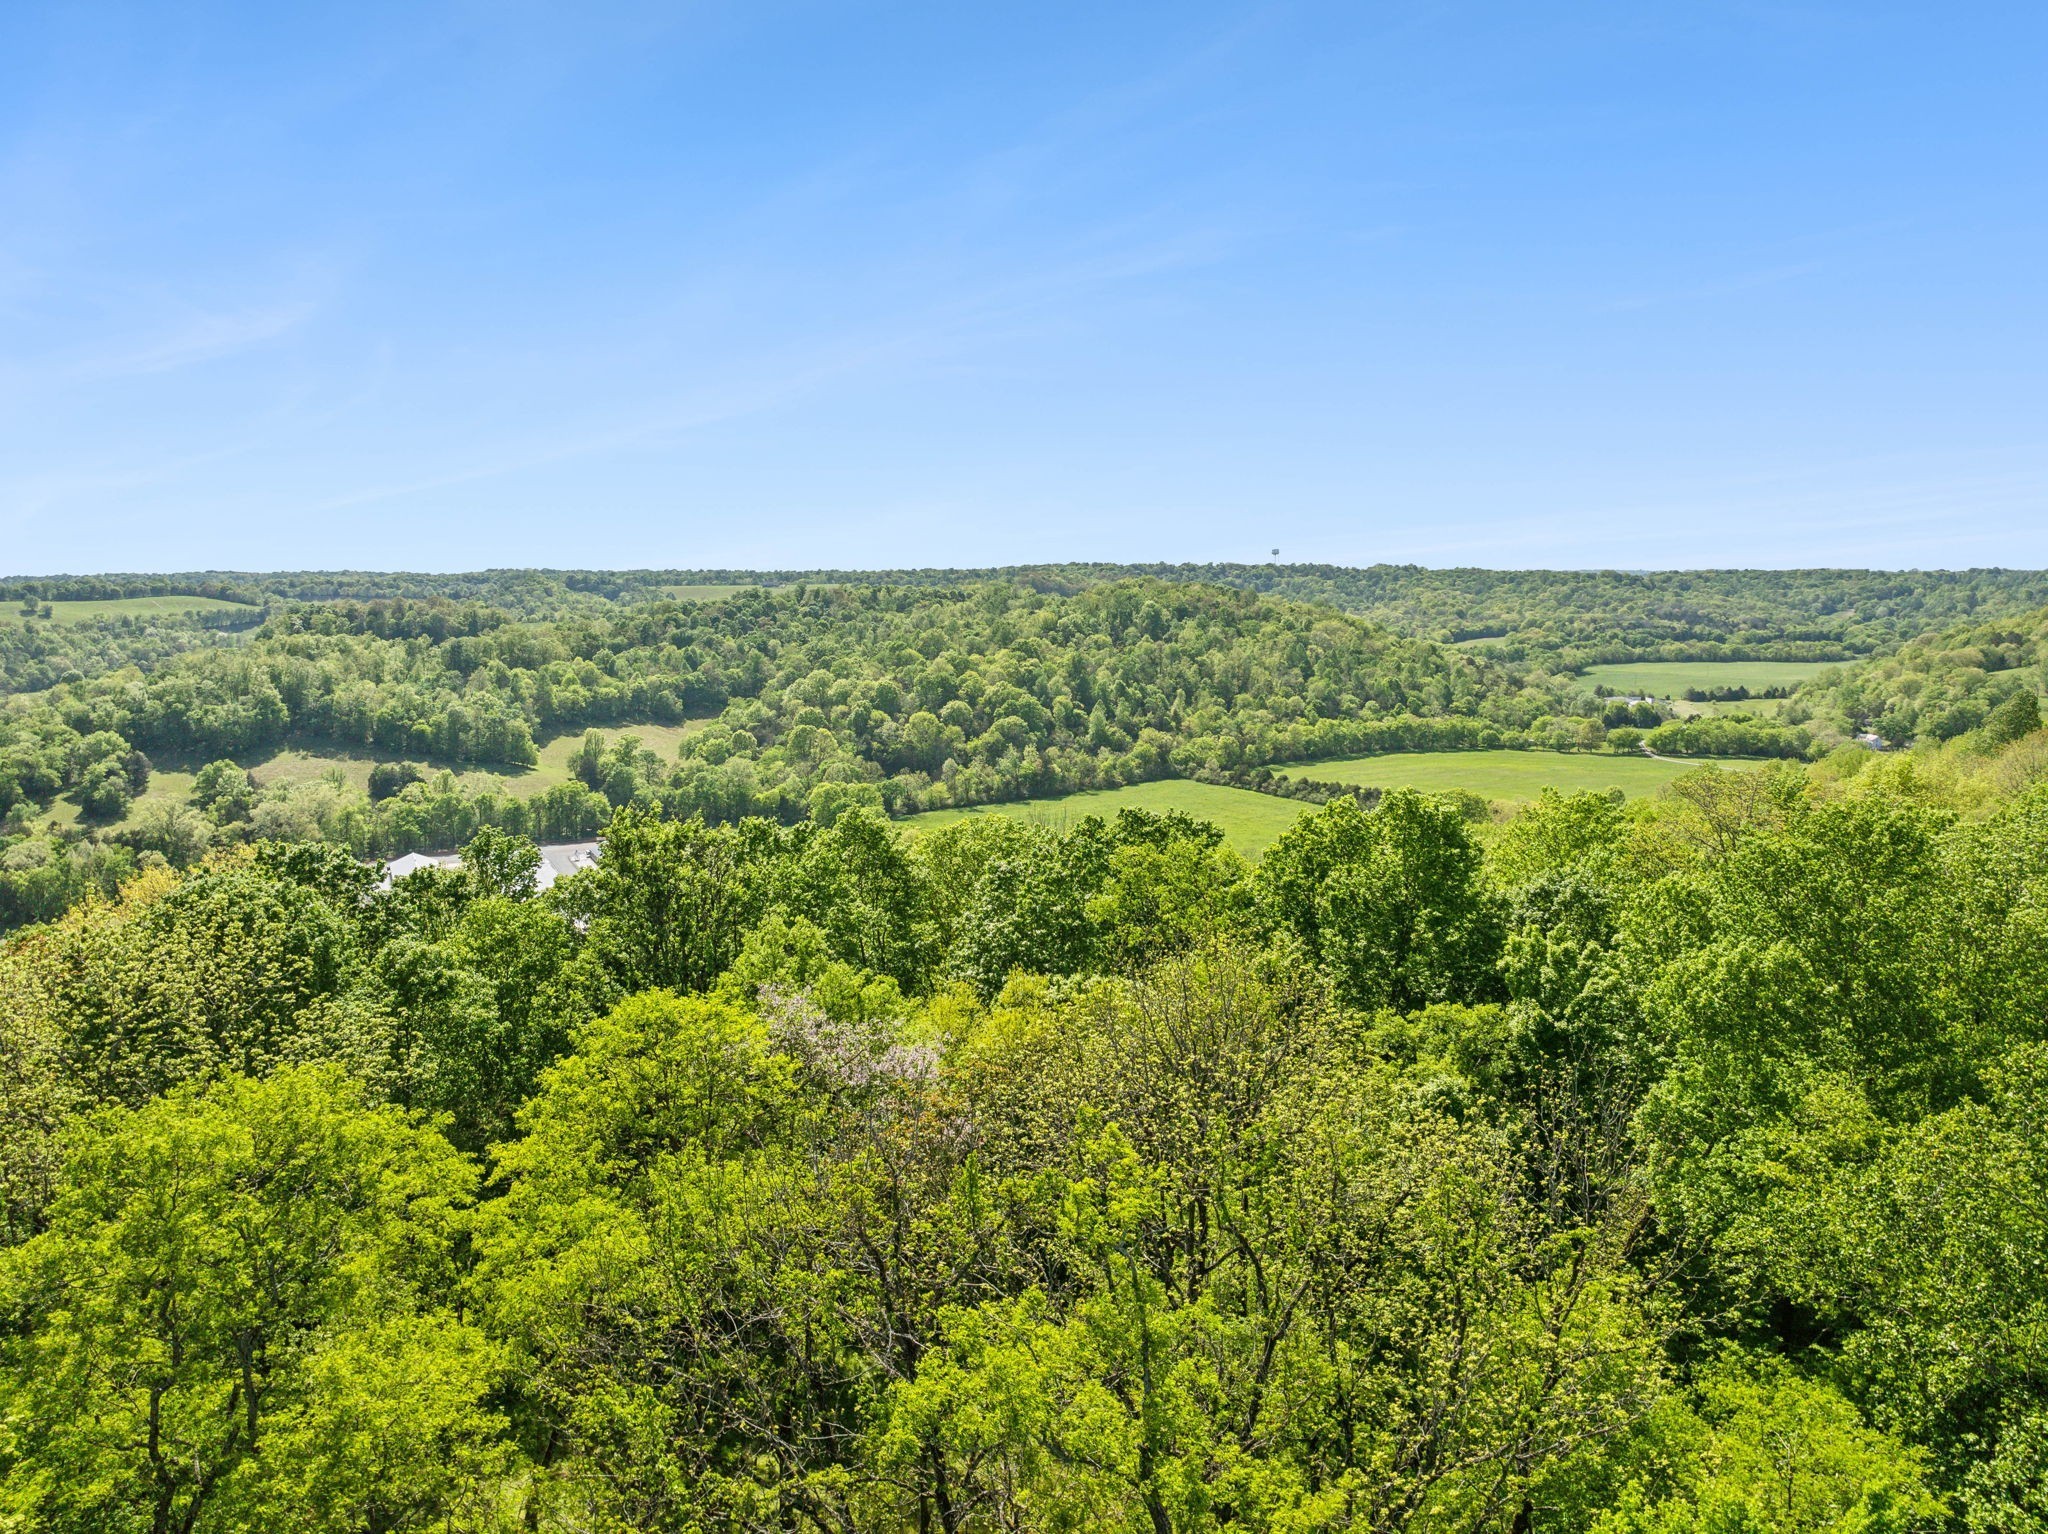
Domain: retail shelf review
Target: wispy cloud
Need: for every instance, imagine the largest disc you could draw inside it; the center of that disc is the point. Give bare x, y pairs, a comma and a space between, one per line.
199, 338
943, 330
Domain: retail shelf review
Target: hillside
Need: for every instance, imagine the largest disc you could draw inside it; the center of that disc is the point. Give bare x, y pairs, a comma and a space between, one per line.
1940, 686
804, 700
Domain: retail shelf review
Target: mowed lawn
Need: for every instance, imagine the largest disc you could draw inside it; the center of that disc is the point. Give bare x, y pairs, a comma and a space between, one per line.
1508, 775
1250, 822
128, 607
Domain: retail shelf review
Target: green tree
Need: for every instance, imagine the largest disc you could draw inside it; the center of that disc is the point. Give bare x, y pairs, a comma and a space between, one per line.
1389, 901
1556, 833
2019, 715
856, 883
667, 906
1272, 1300
177, 831
227, 793
234, 1321
104, 791
501, 865
1760, 1448
222, 970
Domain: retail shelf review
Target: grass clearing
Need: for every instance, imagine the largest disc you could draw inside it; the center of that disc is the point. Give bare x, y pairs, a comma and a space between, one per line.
1755, 708
128, 607
165, 787
708, 593
301, 764
1513, 776
1250, 822
556, 752
1670, 678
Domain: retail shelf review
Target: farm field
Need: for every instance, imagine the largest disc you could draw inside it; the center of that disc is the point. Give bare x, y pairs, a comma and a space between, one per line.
1668, 679
1250, 822
1507, 775
127, 607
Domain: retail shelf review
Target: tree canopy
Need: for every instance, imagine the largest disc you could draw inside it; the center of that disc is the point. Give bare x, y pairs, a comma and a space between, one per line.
1666, 1166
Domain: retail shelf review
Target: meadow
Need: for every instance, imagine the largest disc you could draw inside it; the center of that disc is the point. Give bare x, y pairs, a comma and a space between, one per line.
294, 766
173, 784
1513, 776
1670, 679
129, 607
1250, 822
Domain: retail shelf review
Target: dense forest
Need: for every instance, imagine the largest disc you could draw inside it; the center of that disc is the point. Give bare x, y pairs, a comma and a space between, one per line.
35, 656
1581, 618
1676, 1166
1572, 618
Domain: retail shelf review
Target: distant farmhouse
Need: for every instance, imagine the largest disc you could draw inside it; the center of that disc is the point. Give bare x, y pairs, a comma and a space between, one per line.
557, 861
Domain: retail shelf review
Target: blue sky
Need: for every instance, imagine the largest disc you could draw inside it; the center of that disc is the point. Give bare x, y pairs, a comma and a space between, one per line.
440, 286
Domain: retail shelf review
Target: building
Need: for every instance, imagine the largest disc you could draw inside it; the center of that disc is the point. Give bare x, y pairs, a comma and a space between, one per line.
412, 863
557, 861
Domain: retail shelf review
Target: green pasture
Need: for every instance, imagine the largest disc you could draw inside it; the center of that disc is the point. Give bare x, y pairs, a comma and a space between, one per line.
1250, 822
1670, 678
164, 785
1507, 775
126, 607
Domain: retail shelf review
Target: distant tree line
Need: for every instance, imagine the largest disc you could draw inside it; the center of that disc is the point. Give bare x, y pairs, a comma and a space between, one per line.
1561, 619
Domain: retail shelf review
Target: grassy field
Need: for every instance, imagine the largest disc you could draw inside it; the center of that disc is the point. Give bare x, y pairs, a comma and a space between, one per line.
127, 607
1508, 775
661, 739
174, 786
1250, 822
705, 593
294, 766
1667, 679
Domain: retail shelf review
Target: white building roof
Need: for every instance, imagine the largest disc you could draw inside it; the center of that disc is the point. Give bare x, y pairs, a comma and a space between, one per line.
557, 861
560, 859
